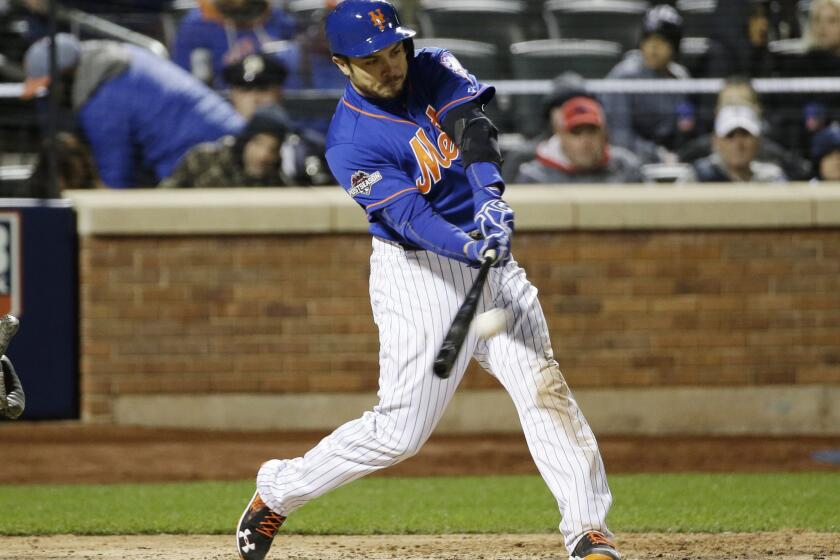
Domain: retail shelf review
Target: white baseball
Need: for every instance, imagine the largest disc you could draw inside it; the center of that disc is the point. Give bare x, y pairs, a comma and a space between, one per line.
490, 323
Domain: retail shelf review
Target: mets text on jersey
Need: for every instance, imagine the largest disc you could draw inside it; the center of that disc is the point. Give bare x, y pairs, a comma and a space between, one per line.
10, 264
429, 159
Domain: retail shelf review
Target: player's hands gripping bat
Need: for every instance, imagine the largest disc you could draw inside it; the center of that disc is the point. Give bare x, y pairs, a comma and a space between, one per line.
454, 338
495, 221
12, 399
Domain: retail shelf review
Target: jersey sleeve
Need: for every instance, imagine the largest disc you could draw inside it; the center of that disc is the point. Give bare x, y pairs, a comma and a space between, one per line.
451, 84
368, 177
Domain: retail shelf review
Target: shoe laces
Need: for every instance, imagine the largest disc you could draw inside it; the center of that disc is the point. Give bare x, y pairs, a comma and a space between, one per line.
269, 525
597, 538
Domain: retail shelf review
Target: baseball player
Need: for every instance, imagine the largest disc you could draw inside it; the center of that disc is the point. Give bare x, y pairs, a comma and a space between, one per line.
410, 143
12, 399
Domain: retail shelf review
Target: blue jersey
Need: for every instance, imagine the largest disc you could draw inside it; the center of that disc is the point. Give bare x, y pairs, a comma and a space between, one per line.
383, 150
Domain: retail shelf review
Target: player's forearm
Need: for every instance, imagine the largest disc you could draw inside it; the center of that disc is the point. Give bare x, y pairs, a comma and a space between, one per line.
415, 220
486, 182
477, 138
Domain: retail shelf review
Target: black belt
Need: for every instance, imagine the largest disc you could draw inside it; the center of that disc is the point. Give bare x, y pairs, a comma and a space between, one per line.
475, 234
409, 246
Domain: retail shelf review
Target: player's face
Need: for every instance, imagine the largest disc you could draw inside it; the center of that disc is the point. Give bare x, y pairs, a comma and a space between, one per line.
584, 146
261, 155
737, 149
380, 75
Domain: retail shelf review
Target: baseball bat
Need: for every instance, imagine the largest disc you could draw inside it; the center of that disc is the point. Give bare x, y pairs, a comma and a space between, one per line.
454, 338
8, 327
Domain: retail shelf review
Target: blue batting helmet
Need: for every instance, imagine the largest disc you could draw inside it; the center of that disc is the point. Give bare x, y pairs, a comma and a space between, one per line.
362, 27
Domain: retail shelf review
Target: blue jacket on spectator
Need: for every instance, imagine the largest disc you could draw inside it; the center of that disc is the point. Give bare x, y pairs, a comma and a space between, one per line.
137, 110
309, 69
224, 43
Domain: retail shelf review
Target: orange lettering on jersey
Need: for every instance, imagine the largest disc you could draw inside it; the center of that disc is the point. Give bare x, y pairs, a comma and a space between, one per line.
445, 143
430, 158
377, 18
432, 114
447, 146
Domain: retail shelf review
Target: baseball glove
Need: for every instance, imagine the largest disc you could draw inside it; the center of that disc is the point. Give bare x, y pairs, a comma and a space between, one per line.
12, 399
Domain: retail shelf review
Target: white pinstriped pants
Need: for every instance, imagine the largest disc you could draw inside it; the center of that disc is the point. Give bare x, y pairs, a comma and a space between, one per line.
415, 295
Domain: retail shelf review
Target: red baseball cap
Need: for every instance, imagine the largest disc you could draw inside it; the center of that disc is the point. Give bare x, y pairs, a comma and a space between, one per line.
581, 110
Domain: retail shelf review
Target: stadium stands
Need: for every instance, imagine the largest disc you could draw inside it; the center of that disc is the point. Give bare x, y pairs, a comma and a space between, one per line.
698, 17
519, 45
502, 22
544, 59
481, 59
303, 10
618, 20
693, 51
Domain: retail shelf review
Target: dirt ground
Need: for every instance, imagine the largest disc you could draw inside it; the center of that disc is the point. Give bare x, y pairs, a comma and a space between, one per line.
109, 454
635, 546
105, 454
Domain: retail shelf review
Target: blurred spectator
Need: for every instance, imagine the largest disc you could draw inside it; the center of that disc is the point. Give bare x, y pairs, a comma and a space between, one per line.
408, 10
224, 31
739, 41
136, 110
821, 42
784, 19
75, 166
825, 151
255, 81
739, 91
652, 125
251, 159
14, 41
41, 6
578, 151
304, 158
142, 14
735, 147
822, 35
309, 59
564, 87
798, 117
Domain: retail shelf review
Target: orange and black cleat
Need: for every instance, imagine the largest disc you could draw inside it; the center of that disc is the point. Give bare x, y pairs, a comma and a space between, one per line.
256, 529
595, 546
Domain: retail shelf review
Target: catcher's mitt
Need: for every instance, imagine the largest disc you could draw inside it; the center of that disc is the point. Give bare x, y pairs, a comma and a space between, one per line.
12, 399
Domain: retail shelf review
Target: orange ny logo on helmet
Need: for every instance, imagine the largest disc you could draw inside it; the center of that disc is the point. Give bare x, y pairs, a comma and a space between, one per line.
377, 18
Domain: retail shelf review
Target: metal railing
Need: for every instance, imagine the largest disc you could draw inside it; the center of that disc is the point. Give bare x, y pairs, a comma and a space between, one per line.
80, 21
542, 87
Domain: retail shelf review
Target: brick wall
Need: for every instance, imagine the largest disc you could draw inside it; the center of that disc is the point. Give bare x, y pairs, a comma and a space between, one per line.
290, 313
